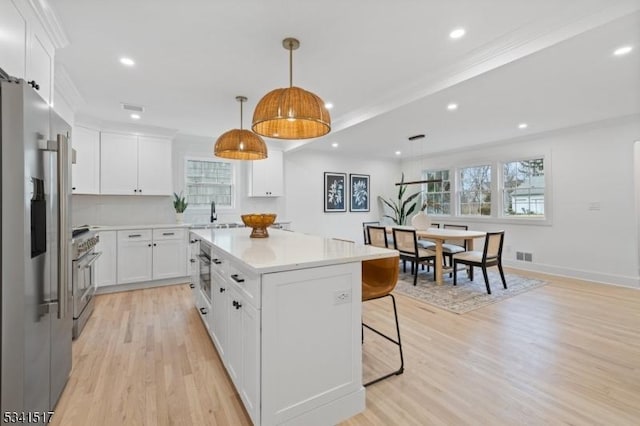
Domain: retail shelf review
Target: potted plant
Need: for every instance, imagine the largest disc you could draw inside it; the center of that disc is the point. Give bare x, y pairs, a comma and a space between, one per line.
402, 208
180, 204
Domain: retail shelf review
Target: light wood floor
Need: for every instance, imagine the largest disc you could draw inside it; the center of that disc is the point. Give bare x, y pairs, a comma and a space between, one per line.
566, 353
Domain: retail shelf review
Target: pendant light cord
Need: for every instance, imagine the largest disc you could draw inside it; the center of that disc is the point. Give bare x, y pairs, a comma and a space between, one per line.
241, 102
291, 64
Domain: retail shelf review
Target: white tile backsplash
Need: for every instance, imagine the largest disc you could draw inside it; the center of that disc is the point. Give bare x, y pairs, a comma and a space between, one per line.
121, 210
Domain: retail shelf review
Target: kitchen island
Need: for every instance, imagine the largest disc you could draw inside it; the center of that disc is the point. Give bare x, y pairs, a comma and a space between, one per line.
284, 313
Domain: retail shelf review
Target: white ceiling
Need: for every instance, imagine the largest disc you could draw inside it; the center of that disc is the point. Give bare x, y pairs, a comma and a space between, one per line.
388, 66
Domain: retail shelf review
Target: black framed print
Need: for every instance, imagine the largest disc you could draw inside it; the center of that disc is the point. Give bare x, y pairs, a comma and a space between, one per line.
359, 190
335, 195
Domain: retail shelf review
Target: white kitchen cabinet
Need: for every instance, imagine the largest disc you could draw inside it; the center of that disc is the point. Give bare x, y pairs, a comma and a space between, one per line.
105, 266
154, 166
85, 173
135, 253
220, 317
135, 165
169, 253
13, 40
118, 164
193, 265
40, 65
266, 177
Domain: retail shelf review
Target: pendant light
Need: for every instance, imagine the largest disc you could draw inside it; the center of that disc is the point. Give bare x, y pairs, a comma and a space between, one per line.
292, 112
240, 144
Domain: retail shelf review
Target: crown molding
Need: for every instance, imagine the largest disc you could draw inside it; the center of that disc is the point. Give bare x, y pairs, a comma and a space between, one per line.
65, 87
50, 22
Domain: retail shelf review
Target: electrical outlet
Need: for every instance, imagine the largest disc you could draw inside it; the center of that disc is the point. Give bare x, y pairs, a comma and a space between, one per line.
519, 255
341, 296
528, 257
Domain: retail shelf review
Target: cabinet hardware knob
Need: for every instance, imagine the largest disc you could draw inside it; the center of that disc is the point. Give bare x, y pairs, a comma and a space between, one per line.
222, 289
238, 305
149, 245
154, 244
73, 188
192, 260
33, 84
237, 279
234, 303
217, 261
192, 285
139, 190
203, 311
135, 190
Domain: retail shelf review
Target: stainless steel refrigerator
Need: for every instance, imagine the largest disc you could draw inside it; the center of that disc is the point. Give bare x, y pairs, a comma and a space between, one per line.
35, 314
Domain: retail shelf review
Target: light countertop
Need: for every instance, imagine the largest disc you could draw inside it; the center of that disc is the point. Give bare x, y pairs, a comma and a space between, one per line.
171, 225
283, 250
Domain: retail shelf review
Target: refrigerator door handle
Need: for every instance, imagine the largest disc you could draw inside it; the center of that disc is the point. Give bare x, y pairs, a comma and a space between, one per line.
63, 211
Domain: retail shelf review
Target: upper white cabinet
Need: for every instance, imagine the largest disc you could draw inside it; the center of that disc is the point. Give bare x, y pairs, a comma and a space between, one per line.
26, 51
85, 173
13, 42
134, 165
266, 176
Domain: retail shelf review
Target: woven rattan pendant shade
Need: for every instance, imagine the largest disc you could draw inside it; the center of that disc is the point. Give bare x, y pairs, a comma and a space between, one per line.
292, 112
240, 144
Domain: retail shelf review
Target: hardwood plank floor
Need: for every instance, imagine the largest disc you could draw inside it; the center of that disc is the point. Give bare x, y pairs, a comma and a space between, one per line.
565, 353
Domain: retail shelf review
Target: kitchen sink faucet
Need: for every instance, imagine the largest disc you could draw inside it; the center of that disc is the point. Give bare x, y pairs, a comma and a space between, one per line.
214, 215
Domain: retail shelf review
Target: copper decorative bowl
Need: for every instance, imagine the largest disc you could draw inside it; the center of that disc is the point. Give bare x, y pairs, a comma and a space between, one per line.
259, 222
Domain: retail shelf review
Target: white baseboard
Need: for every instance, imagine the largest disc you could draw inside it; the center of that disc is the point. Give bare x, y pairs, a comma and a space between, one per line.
141, 285
597, 277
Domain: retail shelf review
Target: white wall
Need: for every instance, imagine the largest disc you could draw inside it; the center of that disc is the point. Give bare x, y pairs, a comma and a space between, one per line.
590, 164
304, 187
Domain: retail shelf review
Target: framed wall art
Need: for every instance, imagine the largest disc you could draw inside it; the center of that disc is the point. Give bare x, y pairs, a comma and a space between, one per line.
335, 192
359, 190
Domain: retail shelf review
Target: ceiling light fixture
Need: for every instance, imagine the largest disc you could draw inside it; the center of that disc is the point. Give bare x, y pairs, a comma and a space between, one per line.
457, 33
135, 116
127, 61
523, 126
328, 105
452, 107
335, 144
240, 144
292, 112
398, 152
621, 51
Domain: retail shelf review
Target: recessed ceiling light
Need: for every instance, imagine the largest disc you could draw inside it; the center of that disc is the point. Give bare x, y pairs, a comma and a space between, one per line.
328, 105
398, 152
452, 107
523, 126
127, 61
135, 116
457, 33
620, 51
335, 144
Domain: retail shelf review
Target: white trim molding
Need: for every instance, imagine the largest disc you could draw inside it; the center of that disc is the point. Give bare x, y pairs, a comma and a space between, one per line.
50, 22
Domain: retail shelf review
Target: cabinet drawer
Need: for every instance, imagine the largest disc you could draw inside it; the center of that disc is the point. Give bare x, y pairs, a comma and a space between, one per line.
135, 235
247, 283
169, 234
219, 263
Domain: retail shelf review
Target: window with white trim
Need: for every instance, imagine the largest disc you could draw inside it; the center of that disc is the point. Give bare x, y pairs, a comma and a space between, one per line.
209, 180
523, 188
474, 191
437, 195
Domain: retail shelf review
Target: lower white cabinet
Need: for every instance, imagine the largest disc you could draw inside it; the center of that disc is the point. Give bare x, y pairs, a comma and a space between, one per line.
220, 317
105, 265
138, 255
135, 260
193, 265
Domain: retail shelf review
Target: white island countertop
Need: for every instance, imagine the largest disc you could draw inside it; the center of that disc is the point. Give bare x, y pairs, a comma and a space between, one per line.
284, 251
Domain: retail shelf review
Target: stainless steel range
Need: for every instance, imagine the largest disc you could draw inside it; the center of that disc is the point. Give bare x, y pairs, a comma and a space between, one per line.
83, 276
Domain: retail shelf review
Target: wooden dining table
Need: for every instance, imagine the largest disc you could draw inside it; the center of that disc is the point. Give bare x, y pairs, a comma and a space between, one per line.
438, 236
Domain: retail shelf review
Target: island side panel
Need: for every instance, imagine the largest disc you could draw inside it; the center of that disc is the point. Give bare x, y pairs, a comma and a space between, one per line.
311, 345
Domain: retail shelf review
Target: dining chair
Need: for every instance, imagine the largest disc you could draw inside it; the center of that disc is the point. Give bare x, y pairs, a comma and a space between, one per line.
406, 242
451, 247
365, 225
377, 236
379, 278
491, 255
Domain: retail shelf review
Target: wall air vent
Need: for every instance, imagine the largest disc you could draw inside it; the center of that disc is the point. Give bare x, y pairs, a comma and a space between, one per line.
131, 107
416, 137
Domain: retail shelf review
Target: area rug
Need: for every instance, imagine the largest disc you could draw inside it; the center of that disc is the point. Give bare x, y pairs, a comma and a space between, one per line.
468, 295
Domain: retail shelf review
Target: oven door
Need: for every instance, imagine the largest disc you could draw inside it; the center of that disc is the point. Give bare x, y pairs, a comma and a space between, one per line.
83, 282
205, 274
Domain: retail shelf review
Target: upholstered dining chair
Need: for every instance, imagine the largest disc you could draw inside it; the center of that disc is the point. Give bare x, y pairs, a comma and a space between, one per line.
377, 236
491, 255
365, 225
406, 242
451, 247
379, 278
